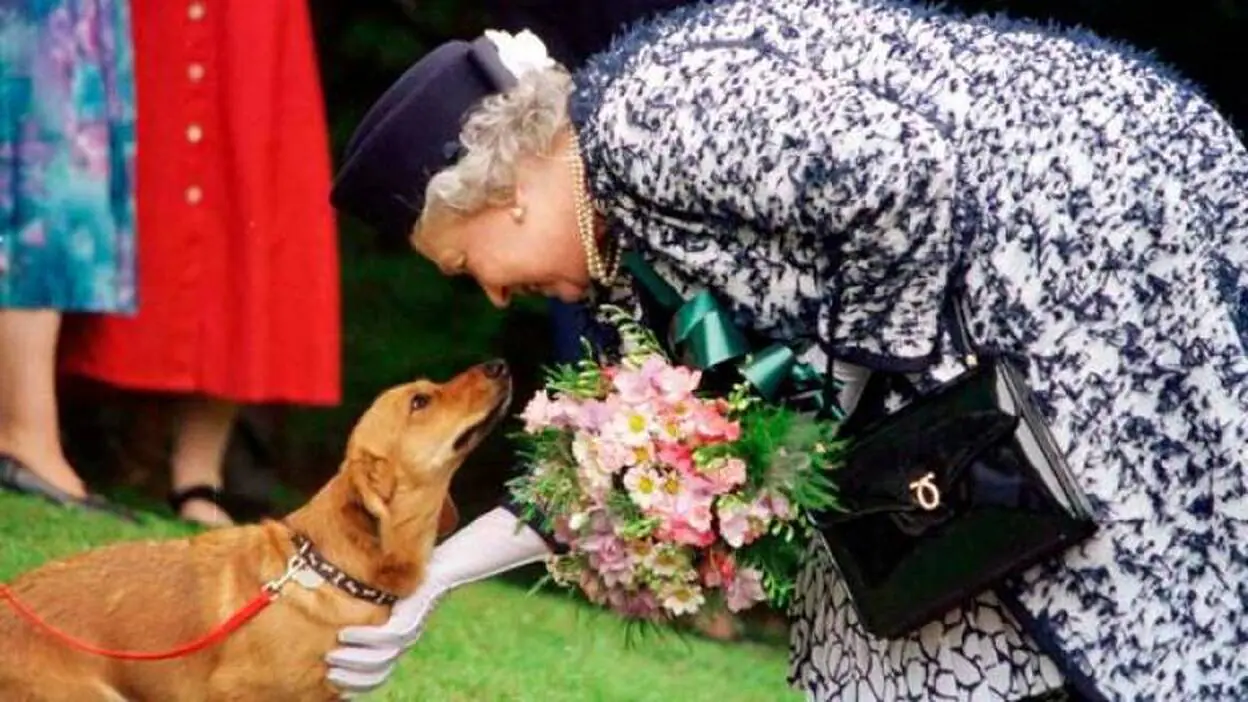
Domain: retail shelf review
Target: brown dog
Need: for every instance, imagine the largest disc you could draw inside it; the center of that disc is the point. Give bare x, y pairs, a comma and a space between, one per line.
375, 521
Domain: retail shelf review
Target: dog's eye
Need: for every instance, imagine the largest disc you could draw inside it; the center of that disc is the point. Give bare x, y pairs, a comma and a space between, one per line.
419, 401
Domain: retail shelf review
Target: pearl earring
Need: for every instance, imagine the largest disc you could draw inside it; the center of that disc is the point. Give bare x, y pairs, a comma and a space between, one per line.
517, 214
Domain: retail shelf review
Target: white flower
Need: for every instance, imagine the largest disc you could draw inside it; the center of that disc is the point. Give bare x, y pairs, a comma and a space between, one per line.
521, 52
667, 561
643, 486
594, 478
682, 598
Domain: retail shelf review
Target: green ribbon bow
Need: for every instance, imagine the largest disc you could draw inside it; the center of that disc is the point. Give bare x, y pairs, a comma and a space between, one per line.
701, 334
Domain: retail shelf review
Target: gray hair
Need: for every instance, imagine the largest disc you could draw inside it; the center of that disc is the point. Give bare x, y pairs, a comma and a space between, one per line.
500, 132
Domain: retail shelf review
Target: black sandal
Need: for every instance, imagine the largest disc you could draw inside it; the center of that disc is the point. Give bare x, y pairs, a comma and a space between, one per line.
15, 476
207, 493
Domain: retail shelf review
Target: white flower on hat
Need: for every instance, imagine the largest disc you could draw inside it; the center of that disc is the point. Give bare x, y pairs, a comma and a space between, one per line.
521, 52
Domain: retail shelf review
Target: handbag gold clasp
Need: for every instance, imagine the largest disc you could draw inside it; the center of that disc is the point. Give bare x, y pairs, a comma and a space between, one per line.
925, 492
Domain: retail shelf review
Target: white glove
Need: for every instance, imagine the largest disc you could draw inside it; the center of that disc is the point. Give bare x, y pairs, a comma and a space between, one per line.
495, 543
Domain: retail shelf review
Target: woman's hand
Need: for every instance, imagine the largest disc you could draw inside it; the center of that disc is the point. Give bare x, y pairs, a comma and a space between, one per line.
495, 543
369, 653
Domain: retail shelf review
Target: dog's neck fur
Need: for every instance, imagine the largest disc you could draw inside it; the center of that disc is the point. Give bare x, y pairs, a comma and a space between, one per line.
382, 537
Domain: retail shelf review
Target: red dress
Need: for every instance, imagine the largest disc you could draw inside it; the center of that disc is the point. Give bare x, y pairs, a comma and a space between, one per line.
238, 259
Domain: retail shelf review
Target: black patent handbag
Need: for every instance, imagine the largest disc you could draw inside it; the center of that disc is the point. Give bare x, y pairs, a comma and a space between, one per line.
949, 496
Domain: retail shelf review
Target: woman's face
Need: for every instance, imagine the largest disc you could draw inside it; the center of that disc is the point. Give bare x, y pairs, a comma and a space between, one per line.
531, 247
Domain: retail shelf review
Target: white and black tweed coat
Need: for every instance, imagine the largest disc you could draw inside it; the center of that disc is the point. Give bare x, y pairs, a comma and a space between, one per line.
799, 155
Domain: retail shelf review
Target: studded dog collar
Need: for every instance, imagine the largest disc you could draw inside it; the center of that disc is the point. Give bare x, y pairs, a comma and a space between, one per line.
309, 558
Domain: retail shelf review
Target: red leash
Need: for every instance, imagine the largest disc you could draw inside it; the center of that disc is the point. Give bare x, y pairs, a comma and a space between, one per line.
247, 613
269, 592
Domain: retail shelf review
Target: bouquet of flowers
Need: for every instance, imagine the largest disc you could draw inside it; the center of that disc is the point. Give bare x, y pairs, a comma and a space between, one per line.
669, 500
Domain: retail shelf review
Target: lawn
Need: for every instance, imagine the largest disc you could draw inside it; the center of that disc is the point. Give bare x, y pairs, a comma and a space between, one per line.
486, 642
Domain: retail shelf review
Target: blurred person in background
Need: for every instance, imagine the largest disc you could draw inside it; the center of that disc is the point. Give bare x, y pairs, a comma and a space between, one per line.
240, 279
67, 222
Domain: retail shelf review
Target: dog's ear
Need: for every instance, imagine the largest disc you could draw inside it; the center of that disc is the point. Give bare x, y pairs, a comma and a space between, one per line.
372, 477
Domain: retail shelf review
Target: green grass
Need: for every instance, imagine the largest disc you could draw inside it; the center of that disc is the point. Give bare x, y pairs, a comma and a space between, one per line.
486, 642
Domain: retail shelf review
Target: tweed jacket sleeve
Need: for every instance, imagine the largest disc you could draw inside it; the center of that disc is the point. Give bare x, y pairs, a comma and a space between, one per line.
792, 194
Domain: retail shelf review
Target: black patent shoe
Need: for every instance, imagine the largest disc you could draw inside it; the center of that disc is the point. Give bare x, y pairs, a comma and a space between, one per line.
16, 477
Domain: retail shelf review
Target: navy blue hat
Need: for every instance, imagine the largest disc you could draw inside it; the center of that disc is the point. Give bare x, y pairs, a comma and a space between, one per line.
412, 132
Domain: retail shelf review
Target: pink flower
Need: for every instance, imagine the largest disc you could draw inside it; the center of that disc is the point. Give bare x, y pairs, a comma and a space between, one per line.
718, 569
684, 504
591, 415
686, 516
653, 367
711, 426
687, 519
696, 511
605, 551
741, 523
542, 412
725, 474
760, 514
734, 523
608, 554
676, 456
617, 574
631, 388
681, 532
780, 506
635, 386
733, 471
637, 605
676, 383
613, 456
744, 590
641, 605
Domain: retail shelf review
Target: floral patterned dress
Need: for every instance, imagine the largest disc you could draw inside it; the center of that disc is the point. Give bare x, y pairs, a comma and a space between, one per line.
67, 145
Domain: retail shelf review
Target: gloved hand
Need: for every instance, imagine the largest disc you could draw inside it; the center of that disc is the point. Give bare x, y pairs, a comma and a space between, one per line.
495, 543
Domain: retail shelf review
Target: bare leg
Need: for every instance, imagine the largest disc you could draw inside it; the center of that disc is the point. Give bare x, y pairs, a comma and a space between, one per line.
29, 428
200, 438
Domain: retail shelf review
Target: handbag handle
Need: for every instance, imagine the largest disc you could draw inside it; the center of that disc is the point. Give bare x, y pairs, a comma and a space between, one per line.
960, 331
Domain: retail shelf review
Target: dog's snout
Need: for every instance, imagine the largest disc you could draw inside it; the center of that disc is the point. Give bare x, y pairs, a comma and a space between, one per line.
496, 368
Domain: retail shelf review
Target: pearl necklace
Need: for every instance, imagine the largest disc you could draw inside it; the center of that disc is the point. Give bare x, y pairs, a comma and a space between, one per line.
599, 270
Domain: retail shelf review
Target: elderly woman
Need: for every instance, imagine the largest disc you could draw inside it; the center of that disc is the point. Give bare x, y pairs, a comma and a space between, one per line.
835, 170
